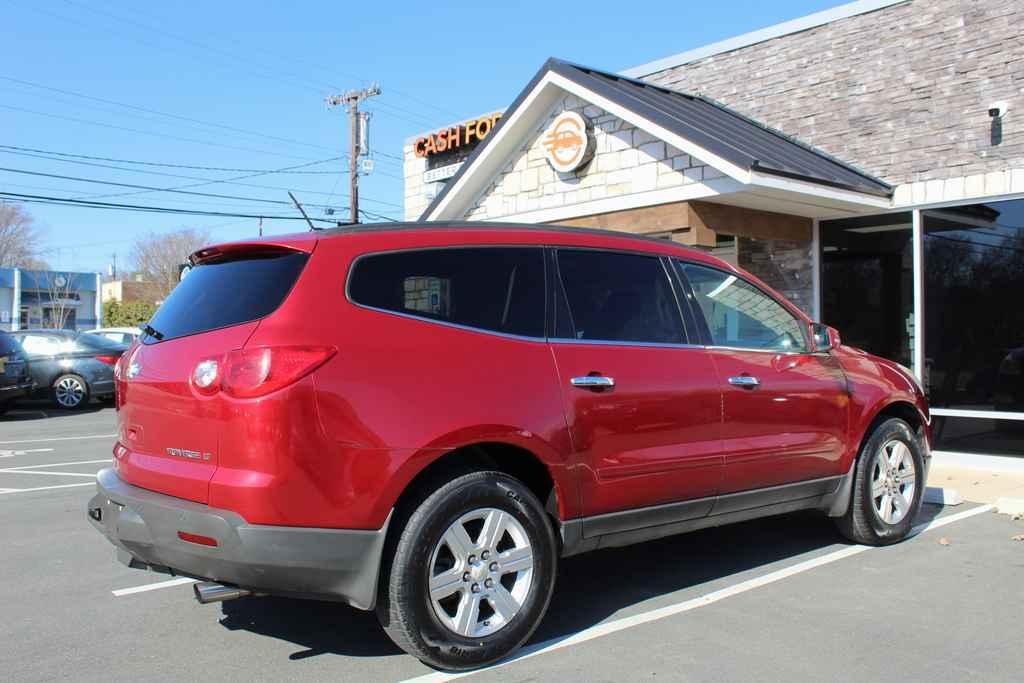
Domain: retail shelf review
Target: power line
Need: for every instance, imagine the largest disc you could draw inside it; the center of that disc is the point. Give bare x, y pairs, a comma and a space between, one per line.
66, 201
165, 114
148, 188
151, 133
187, 166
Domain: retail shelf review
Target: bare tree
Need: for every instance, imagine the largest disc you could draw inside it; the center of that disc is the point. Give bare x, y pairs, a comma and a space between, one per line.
157, 259
63, 299
19, 239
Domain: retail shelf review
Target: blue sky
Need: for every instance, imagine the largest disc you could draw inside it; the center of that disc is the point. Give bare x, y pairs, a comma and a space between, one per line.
241, 85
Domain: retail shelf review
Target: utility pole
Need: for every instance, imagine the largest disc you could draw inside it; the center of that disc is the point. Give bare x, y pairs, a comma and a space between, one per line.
351, 99
261, 226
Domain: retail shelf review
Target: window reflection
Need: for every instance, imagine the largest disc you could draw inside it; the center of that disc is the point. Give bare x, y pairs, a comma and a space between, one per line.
974, 313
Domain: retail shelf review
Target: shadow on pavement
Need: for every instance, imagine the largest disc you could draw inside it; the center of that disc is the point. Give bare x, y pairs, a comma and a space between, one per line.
590, 588
29, 411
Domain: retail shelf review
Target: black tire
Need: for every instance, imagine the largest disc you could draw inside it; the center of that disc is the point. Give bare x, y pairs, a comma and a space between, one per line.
862, 522
406, 611
61, 382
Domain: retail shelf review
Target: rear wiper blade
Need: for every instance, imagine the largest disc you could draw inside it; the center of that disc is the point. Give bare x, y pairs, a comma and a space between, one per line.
152, 332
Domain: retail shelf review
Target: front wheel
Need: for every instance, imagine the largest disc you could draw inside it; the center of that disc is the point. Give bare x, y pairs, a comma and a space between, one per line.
888, 486
472, 574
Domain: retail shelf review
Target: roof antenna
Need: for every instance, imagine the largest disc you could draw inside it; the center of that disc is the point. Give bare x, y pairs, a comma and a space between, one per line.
302, 211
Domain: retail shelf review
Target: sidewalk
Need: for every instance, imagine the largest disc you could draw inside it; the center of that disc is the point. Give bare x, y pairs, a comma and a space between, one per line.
984, 480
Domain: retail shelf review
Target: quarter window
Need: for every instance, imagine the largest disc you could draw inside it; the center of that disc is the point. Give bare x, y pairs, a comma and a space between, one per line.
740, 315
619, 297
492, 288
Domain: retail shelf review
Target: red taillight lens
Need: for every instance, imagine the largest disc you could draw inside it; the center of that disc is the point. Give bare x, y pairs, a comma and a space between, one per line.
248, 373
109, 360
197, 538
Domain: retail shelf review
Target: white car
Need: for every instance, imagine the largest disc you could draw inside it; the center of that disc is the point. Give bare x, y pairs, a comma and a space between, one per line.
122, 335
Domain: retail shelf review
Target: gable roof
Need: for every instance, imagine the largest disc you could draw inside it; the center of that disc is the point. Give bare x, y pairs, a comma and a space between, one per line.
737, 142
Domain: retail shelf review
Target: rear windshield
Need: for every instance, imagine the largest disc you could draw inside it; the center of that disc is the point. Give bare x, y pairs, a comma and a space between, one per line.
8, 345
225, 293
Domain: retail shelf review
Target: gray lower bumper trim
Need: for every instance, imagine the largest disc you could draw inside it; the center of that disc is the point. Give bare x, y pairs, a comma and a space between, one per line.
339, 564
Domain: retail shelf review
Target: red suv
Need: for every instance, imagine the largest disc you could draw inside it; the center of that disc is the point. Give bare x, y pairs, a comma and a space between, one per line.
422, 420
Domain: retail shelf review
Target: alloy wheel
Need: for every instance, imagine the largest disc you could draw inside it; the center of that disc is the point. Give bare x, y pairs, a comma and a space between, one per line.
481, 571
893, 481
70, 392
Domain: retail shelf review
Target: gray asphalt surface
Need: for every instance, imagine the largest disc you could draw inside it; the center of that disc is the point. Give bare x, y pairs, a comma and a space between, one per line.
921, 610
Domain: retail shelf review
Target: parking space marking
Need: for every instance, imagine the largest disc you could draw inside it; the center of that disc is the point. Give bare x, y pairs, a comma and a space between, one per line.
180, 581
55, 464
694, 603
45, 488
51, 474
12, 453
61, 438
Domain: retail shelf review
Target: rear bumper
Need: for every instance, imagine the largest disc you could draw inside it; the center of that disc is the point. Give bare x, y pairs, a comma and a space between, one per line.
333, 564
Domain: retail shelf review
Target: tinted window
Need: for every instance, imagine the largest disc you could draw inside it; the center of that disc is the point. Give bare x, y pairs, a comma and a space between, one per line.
44, 345
227, 293
619, 297
740, 315
94, 342
491, 288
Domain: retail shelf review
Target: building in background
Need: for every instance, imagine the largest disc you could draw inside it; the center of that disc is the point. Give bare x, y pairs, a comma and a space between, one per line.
866, 161
126, 291
50, 299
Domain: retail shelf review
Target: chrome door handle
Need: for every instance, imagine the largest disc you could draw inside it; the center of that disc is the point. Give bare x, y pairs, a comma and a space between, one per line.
745, 381
593, 382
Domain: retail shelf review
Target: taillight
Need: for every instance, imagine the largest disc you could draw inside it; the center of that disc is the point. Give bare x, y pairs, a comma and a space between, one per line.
109, 360
249, 373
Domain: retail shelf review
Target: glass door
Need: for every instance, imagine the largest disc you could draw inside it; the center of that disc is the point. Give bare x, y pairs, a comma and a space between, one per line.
867, 283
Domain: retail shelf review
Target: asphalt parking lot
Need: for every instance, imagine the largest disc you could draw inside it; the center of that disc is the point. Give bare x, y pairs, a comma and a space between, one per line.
777, 599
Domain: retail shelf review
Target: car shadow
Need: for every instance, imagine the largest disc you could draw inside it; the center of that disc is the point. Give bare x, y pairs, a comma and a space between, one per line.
28, 411
590, 588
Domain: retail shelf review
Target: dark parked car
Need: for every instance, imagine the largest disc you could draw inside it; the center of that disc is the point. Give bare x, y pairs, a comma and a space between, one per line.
14, 379
70, 367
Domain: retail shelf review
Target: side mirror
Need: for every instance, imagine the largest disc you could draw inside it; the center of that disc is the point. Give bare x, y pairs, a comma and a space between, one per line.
825, 338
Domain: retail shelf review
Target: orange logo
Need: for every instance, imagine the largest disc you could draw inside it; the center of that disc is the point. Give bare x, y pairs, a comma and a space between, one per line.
566, 142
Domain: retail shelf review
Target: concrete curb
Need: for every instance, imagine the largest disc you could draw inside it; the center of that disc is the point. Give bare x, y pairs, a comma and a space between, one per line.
942, 496
1010, 506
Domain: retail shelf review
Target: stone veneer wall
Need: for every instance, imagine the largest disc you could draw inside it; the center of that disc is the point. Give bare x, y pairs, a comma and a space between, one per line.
626, 161
784, 265
902, 93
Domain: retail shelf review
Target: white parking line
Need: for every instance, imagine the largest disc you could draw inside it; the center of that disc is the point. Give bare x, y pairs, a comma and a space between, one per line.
62, 438
52, 474
152, 586
11, 453
19, 468
688, 605
45, 488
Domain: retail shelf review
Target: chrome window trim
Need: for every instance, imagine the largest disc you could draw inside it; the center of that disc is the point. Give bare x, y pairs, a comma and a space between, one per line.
606, 342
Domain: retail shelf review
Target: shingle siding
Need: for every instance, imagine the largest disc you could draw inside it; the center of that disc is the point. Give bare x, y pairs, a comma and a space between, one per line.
902, 92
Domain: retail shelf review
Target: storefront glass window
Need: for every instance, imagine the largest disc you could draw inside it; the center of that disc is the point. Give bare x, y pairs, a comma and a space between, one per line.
974, 313
867, 283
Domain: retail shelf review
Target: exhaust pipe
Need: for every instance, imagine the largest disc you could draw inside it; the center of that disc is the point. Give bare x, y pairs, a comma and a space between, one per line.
207, 592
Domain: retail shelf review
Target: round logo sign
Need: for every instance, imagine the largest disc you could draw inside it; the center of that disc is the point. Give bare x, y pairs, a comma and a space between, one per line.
567, 142
60, 281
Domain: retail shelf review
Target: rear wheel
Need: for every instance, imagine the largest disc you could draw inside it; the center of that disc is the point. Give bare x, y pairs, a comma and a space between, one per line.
888, 487
472, 573
70, 392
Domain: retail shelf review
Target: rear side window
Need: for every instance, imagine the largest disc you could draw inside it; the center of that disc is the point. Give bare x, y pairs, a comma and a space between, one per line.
8, 345
229, 292
95, 342
500, 289
619, 297
740, 315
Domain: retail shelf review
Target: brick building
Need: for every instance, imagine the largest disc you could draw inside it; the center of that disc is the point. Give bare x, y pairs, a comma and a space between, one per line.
866, 161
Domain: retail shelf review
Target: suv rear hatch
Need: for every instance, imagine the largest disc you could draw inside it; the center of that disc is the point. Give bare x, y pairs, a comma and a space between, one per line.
168, 427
